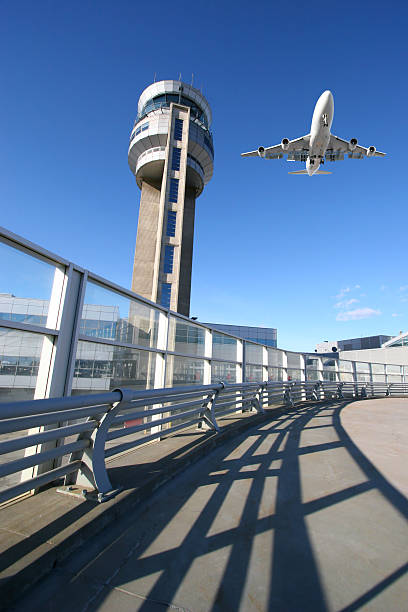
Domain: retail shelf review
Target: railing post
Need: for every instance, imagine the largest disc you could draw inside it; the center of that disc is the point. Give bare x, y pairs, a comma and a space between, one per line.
287, 395
257, 401
208, 421
94, 457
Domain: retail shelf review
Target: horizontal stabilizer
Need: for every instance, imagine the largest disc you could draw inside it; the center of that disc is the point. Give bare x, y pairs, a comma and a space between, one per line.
306, 172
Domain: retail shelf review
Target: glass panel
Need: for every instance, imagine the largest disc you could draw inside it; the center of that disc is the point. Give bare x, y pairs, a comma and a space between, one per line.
313, 364
102, 367
107, 314
186, 337
275, 358
275, 373
378, 368
378, 378
346, 377
393, 369
294, 374
345, 366
254, 353
254, 373
328, 375
295, 361
224, 347
20, 354
222, 371
26, 287
329, 364
361, 377
393, 378
362, 367
184, 371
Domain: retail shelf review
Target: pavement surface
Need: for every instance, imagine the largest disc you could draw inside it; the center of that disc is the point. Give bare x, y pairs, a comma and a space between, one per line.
305, 511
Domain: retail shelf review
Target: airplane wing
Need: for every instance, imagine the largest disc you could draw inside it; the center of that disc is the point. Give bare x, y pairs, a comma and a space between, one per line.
338, 147
298, 145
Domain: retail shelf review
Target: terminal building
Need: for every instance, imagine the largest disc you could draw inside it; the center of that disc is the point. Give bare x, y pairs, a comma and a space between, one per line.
262, 335
352, 344
171, 154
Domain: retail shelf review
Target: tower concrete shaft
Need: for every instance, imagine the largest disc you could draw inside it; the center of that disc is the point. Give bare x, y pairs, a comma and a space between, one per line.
171, 154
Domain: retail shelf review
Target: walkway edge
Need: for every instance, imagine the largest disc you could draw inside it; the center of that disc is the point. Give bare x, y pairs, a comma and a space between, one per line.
17, 576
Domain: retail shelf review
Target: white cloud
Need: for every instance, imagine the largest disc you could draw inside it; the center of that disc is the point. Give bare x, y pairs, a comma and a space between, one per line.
403, 288
395, 314
359, 313
342, 293
383, 287
346, 303
346, 290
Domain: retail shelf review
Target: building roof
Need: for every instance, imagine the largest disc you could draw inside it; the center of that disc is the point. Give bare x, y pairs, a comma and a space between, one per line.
401, 340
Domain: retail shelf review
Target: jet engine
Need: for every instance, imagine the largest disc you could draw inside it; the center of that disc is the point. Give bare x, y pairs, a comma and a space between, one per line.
353, 143
261, 151
371, 151
285, 144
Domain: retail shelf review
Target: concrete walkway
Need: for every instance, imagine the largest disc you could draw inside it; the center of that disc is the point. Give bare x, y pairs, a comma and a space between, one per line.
289, 516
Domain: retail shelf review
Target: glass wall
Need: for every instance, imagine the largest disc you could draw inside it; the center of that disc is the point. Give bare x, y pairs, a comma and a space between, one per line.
329, 369
378, 372
222, 371
295, 366
313, 369
253, 373
394, 373
224, 347
185, 337
103, 367
254, 353
27, 284
108, 315
184, 371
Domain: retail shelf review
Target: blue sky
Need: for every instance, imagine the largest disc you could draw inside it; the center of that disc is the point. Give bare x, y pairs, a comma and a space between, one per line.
319, 258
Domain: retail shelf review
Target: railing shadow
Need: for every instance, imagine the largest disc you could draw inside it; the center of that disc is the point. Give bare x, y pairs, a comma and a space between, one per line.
250, 501
295, 581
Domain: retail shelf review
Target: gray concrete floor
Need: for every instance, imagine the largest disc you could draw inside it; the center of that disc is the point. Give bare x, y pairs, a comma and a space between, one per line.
303, 513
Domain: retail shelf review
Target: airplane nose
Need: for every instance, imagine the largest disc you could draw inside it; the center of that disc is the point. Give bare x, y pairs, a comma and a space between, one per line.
327, 100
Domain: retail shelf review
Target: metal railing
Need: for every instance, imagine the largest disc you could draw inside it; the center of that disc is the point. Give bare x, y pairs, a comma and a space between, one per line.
108, 424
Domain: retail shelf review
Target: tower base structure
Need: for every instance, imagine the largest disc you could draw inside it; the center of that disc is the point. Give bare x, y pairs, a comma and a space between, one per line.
171, 175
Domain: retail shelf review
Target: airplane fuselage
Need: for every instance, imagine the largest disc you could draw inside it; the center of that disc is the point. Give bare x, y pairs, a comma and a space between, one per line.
320, 131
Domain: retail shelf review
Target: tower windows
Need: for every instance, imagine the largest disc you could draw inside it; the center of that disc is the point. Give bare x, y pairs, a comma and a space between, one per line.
178, 129
175, 162
171, 223
173, 191
168, 259
165, 295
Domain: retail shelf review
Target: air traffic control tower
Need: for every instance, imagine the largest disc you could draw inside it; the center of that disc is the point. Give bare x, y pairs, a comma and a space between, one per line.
171, 154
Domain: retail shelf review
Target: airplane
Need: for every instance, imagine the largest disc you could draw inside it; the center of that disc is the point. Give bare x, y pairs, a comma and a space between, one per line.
313, 148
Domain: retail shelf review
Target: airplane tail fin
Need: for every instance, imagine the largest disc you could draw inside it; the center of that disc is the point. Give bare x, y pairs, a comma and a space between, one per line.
306, 172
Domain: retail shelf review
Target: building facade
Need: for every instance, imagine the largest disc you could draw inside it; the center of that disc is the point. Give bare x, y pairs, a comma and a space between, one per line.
262, 335
171, 154
352, 344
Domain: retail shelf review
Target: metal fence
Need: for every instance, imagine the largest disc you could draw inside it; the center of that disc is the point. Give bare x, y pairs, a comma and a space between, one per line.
65, 333
112, 423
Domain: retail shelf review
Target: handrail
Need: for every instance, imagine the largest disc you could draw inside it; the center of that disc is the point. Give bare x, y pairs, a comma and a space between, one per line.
136, 417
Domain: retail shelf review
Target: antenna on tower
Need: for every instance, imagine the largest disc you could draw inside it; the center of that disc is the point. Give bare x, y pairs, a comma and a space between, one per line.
192, 79
154, 80
180, 76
